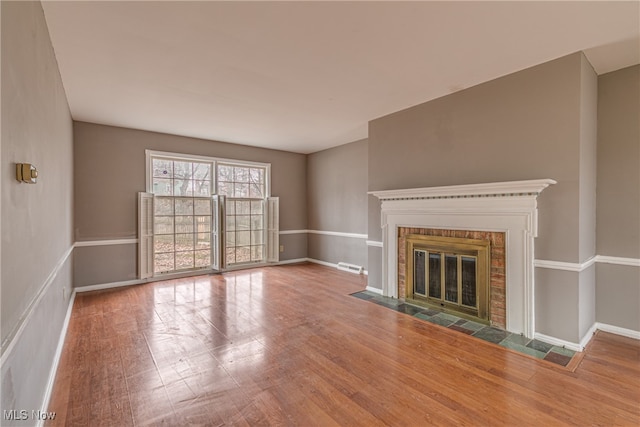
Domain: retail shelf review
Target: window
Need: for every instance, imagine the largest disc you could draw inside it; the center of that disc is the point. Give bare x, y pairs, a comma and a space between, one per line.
181, 178
244, 231
244, 188
196, 205
182, 233
241, 181
181, 214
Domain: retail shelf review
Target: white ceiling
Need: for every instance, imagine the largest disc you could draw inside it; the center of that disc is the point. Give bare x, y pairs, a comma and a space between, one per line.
305, 76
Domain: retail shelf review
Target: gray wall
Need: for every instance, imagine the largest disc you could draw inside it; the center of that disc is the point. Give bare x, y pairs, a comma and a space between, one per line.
337, 201
587, 200
618, 202
536, 123
110, 171
618, 186
522, 126
36, 219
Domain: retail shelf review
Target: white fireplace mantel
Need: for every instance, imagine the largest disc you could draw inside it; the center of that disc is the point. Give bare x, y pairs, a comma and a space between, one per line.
509, 207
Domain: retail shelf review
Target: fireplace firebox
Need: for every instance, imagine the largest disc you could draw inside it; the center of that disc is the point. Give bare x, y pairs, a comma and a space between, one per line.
449, 273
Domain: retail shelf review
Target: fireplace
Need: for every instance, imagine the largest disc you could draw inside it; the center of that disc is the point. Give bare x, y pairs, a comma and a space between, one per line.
503, 213
463, 272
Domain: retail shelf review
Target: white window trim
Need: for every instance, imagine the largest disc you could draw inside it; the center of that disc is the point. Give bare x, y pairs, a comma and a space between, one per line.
149, 154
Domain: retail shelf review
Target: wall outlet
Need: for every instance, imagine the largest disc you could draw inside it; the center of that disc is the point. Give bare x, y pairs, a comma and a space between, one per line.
281, 248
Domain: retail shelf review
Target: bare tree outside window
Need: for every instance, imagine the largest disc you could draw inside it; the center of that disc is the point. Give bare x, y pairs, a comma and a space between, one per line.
182, 217
244, 187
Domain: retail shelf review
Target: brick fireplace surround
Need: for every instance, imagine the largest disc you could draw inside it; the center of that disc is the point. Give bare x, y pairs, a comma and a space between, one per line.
497, 283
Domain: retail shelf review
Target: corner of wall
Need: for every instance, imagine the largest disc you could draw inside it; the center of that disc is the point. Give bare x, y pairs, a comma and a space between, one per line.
587, 195
617, 284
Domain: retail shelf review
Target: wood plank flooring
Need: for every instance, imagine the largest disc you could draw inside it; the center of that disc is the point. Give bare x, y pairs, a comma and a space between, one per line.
288, 346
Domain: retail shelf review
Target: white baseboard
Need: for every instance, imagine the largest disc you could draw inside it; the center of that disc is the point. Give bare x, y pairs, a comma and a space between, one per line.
629, 333
292, 261
587, 337
202, 272
102, 286
325, 263
557, 341
56, 358
374, 290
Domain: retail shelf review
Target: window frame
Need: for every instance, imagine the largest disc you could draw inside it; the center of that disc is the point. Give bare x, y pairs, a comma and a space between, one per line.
214, 162
150, 154
263, 207
195, 233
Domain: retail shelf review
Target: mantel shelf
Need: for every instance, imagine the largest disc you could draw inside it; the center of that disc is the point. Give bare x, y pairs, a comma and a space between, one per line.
496, 189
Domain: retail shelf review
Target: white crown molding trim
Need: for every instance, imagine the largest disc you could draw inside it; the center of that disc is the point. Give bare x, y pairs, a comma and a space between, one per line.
629, 333
338, 233
14, 336
374, 243
557, 341
374, 290
105, 242
57, 356
497, 189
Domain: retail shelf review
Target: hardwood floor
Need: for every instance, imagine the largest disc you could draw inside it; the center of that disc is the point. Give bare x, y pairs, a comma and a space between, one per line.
288, 346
